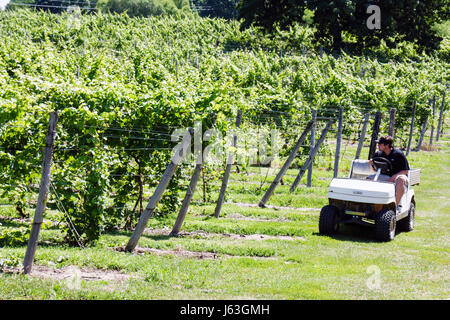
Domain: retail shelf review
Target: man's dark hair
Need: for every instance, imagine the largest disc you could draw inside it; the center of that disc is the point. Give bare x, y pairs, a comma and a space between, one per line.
386, 140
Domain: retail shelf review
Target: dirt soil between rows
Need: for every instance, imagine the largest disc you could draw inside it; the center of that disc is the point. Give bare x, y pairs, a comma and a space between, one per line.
179, 252
207, 235
71, 272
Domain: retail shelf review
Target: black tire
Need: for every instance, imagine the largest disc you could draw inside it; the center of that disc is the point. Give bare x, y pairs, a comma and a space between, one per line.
407, 223
385, 224
329, 220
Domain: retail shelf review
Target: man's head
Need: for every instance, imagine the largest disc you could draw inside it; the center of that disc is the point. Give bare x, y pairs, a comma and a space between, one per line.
385, 143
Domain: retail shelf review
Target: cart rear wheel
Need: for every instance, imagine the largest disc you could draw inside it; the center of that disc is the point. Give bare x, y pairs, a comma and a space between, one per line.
385, 225
329, 220
407, 223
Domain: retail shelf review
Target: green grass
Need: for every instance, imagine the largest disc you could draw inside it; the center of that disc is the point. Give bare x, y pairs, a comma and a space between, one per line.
413, 266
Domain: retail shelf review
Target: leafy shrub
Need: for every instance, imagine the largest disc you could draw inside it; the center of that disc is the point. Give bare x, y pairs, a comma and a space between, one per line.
13, 236
10, 262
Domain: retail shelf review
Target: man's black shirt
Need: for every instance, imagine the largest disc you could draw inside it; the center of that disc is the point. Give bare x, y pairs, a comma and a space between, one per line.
397, 158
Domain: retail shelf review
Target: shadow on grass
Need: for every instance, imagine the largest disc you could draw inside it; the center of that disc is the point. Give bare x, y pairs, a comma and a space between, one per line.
158, 237
353, 233
144, 235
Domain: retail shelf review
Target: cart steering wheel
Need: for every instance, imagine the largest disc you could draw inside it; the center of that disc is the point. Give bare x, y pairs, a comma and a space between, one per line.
382, 163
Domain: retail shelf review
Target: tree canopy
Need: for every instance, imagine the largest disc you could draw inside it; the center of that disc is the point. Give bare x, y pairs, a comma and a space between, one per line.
217, 8
145, 8
398, 19
271, 13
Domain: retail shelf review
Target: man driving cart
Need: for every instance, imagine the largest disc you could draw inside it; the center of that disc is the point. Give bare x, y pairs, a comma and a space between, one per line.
400, 167
384, 200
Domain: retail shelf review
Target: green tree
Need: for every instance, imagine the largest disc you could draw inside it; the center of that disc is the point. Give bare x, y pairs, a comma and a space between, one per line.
410, 20
145, 8
135, 7
331, 18
217, 8
413, 21
271, 13
399, 20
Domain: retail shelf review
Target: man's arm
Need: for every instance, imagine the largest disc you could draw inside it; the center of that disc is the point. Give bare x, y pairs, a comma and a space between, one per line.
376, 154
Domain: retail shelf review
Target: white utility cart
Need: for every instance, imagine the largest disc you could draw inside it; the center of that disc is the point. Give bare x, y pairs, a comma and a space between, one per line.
369, 202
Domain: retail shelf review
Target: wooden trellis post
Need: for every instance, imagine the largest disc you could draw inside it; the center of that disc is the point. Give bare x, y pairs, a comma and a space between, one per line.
392, 113
226, 175
190, 191
167, 176
43, 194
338, 144
432, 120
422, 134
363, 136
187, 199
312, 154
411, 129
286, 166
440, 118
375, 131
312, 142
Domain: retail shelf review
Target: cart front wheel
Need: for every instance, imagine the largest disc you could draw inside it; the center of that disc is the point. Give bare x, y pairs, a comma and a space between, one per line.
329, 220
385, 225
